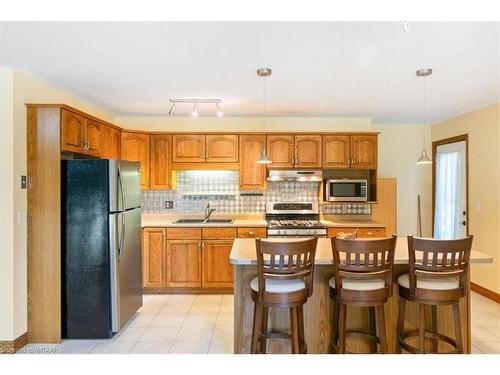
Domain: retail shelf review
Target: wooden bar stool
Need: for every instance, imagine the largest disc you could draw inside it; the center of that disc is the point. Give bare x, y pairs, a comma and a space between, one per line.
362, 277
285, 280
437, 276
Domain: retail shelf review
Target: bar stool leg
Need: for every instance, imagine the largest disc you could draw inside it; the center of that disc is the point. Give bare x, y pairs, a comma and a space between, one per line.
263, 330
373, 328
302, 340
381, 328
335, 335
401, 323
257, 317
458, 327
342, 328
434, 328
294, 330
421, 328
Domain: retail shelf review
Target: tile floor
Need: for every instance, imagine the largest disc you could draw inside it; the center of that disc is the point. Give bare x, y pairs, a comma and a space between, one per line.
199, 324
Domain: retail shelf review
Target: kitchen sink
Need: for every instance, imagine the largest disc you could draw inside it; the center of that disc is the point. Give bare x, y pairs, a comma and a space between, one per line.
201, 221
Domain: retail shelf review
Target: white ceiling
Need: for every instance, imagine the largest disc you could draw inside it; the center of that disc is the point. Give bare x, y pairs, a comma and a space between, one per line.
319, 69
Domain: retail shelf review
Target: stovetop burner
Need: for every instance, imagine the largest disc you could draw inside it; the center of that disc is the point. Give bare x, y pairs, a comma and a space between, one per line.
295, 224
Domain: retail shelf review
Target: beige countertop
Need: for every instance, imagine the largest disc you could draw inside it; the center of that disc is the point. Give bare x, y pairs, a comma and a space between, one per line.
245, 220
244, 253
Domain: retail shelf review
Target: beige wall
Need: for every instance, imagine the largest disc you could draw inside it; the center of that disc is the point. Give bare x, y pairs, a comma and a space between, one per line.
23, 89
7, 211
483, 128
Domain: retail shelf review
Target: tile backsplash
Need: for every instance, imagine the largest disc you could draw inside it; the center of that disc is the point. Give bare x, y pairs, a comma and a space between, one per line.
194, 189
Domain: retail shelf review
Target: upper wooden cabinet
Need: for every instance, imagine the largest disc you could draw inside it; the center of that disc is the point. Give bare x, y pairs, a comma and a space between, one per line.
135, 147
336, 151
350, 151
154, 247
93, 132
222, 148
280, 150
252, 175
188, 148
110, 142
364, 151
161, 166
307, 151
73, 132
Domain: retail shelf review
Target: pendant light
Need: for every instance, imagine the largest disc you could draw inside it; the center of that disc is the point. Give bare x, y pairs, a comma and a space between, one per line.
424, 159
264, 72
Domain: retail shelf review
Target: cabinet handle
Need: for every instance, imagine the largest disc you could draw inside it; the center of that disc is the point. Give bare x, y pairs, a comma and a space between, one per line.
88, 145
200, 246
82, 145
251, 234
370, 233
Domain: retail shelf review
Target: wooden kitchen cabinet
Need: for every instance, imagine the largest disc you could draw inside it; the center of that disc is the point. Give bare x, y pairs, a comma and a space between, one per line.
188, 148
280, 149
93, 137
217, 272
336, 151
184, 263
252, 175
307, 151
161, 165
135, 147
110, 142
154, 260
222, 148
252, 232
363, 232
364, 151
73, 132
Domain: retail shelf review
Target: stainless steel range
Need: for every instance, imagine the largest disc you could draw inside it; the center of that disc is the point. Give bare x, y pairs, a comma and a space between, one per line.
294, 219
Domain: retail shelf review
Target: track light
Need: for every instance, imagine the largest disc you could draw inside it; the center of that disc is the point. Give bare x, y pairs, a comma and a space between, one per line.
219, 111
195, 110
171, 112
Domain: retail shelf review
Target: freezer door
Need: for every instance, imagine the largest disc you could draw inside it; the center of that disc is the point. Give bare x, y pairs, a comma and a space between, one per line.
124, 185
126, 267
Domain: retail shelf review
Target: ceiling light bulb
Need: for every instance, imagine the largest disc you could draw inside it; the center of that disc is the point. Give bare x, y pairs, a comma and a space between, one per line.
195, 111
219, 111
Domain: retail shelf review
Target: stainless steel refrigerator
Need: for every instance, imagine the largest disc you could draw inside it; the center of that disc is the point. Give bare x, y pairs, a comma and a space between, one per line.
101, 246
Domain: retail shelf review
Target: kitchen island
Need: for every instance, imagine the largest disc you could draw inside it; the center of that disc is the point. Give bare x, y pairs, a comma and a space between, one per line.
318, 311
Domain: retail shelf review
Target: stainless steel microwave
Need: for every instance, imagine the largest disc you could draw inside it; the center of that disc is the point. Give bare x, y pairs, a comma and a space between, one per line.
346, 190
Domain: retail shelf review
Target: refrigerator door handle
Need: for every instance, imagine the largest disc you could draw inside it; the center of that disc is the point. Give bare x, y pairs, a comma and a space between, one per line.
122, 189
122, 238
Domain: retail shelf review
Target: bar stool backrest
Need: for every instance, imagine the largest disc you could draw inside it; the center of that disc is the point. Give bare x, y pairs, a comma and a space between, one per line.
287, 260
438, 258
363, 259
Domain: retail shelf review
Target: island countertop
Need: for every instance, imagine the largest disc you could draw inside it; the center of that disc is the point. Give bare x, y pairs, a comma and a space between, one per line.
244, 253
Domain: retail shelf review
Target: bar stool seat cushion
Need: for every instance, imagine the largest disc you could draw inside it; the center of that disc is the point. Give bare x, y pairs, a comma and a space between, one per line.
432, 283
279, 286
354, 284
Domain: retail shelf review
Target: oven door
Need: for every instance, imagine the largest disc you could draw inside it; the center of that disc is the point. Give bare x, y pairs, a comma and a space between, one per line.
346, 190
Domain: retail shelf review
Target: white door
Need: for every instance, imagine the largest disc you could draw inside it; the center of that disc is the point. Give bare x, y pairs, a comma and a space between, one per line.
451, 191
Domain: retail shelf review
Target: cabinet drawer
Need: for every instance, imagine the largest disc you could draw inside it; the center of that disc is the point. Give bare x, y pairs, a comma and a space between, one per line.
365, 232
183, 233
252, 232
218, 233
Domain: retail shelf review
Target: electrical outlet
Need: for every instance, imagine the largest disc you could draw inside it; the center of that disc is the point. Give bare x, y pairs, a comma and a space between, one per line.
169, 205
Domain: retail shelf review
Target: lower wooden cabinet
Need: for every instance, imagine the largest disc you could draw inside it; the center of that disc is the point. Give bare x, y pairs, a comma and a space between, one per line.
363, 232
183, 263
154, 257
217, 272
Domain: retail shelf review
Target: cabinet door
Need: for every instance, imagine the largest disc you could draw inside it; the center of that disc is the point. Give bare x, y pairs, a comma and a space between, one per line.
252, 232
252, 175
222, 148
308, 151
135, 147
93, 137
217, 272
154, 257
188, 148
161, 167
110, 143
73, 132
336, 151
183, 263
364, 151
280, 151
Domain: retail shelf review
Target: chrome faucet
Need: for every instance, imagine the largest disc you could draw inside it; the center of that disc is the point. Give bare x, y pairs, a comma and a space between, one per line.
208, 211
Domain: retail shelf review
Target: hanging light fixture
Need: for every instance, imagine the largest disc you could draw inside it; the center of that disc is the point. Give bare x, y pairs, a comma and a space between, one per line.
171, 112
424, 159
195, 110
219, 111
264, 72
